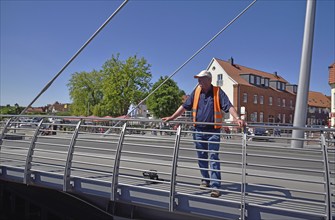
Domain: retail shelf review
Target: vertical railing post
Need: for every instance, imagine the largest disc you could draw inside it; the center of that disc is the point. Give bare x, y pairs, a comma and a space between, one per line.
326, 177
244, 164
116, 167
29, 158
174, 170
68, 165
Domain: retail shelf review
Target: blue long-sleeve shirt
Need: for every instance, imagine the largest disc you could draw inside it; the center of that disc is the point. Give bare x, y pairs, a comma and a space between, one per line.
205, 112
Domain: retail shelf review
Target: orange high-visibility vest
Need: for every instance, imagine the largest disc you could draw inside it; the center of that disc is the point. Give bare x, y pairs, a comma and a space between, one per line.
217, 109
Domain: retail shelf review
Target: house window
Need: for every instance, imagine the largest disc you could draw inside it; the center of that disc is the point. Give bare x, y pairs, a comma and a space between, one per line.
284, 103
270, 100
252, 79
261, 100
253, 117
261, 117
281, 86
291, 119
278, 120
255, 99
283, 119
266, 82
291, 104
258, 80
295, 88
245, 97
220, 80
278, 101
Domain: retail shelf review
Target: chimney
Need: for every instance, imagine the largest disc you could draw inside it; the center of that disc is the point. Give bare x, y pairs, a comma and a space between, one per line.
276, 74
231, 61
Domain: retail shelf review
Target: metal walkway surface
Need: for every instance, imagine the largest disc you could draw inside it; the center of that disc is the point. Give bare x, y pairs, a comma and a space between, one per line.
263, 177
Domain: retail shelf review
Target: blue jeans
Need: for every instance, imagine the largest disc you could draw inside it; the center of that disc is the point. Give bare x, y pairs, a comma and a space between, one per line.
213, 156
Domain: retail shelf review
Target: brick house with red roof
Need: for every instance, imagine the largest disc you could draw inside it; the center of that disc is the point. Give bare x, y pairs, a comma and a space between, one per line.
318, 108
266, 97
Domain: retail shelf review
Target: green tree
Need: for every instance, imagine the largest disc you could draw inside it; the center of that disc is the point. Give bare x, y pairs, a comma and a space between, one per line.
85, 91
126, 82
166, 99
111, 90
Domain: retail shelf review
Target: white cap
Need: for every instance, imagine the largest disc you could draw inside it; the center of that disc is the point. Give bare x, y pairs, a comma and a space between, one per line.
203, 73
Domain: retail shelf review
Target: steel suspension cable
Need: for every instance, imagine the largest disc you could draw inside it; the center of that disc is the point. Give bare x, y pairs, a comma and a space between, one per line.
75, 55
195, 54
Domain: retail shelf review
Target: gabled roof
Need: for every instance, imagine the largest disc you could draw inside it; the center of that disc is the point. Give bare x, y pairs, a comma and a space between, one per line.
317, 99
235, 71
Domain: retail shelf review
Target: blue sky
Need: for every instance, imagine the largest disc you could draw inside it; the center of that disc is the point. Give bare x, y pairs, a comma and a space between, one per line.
39, 37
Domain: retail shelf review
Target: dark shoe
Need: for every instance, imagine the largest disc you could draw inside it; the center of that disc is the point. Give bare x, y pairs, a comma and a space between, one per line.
215, 193
204, 185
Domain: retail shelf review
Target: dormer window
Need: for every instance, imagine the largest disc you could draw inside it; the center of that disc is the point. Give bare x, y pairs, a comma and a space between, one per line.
281, 86
252, 79
295, 88
258, 80
265, 82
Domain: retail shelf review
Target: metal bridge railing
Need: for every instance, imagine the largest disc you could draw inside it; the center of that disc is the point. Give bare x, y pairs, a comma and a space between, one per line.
140, 164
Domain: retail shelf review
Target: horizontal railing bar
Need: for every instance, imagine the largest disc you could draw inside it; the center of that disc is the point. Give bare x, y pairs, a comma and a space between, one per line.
145, 162
10, 147
97, 141
281, 157
284, 168
46, 164
284, 178
148, 145
199, 178
94, 164
90, 171
94, 148
49, 158
166, 138
53, 137
143, 187
209, 160
209, 198
278, 147
143, 179
219, 151
207, 188
51, 144
146, 154
17, 141
286, 199
11, 160
287, 189
208, 169
144, 170
14, 154
89, 179
92, 156
15, 167
50, 151
47, 172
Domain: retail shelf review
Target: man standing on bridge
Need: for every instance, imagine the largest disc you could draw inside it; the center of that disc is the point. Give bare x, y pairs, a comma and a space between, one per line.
207, 102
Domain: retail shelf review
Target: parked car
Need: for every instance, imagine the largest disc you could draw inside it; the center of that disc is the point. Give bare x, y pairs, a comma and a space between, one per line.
259, 133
